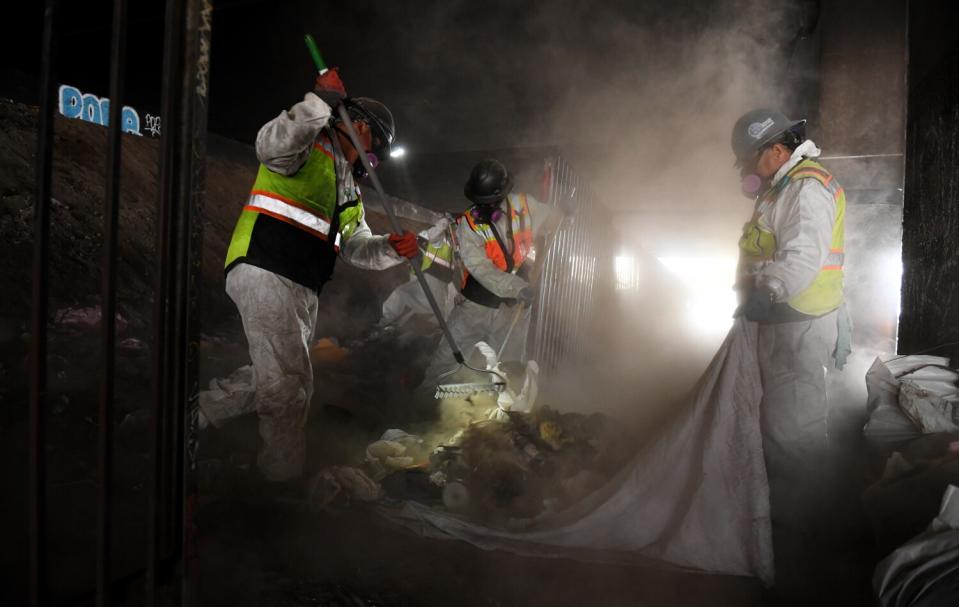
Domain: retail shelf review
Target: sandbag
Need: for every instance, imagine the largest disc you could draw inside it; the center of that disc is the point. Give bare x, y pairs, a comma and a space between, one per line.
888, 426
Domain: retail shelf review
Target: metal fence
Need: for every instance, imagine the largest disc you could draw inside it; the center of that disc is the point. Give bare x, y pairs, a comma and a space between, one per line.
166, 578
577, 270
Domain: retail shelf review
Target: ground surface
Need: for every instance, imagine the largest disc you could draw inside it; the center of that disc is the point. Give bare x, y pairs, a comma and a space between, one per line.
259, 552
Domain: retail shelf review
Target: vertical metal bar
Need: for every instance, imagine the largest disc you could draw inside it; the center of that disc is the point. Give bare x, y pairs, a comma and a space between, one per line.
190, 256
549, 314
157, 524
108, 303
558, 303
549, 300
546, 279
568, 276
179, 248
37, 485
585, 295
536, 348
576, 279
582, 295
561, 276
576, 286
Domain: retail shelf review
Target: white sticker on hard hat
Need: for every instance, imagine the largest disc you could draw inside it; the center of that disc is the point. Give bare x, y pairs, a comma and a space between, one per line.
757, 129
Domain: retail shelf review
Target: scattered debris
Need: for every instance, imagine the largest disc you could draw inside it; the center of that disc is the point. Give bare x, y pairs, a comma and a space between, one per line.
530, 464
456, 497
341, 483
326, 350
84, 319
133, 344
396, 450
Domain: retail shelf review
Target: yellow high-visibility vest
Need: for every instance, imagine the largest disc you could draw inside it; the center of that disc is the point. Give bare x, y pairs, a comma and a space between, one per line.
757, 247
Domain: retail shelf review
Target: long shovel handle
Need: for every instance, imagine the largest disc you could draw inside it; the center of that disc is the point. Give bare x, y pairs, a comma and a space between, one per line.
416, 262
520, 308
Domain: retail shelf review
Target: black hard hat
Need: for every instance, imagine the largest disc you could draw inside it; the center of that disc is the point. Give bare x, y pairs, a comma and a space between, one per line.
380, 119
757, 128
489, 182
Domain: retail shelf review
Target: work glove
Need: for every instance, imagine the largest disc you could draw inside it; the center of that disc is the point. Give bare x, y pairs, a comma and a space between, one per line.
757, 305
405, 244
329, 87
526, 295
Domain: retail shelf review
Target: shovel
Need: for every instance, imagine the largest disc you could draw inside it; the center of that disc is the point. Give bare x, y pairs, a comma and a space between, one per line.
498, 382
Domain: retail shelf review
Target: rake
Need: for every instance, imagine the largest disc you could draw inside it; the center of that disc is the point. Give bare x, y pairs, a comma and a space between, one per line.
498, 382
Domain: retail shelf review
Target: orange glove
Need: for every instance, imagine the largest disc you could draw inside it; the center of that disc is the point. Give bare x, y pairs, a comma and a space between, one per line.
405, 244
329, 87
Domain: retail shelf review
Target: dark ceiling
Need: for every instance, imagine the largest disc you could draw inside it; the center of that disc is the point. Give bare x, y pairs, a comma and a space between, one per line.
459, 75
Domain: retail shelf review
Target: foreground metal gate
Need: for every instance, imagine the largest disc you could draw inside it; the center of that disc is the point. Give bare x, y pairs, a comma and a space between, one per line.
577, 270
166, 578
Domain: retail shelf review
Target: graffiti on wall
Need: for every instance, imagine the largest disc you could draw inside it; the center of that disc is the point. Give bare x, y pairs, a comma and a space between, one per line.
89, 107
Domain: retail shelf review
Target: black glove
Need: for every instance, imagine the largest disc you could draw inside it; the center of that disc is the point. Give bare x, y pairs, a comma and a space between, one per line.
757, 306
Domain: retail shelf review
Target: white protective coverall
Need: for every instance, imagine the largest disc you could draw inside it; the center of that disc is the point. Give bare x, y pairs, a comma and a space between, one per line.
471, 322
793, 356
408, 298
279, 315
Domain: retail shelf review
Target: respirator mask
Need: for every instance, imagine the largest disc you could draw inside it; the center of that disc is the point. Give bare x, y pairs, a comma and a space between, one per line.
359, 171
486, 213
750, 183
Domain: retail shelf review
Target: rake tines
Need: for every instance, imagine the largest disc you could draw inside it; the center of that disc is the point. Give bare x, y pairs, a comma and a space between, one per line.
467, 390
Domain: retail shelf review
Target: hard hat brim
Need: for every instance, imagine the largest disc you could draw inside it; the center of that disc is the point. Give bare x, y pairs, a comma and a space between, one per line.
738, 163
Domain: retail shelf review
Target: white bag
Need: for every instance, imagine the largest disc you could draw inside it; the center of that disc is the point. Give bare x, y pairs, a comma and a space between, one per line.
888, 426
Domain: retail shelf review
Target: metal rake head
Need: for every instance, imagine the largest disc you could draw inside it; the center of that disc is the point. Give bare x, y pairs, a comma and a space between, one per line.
467, 390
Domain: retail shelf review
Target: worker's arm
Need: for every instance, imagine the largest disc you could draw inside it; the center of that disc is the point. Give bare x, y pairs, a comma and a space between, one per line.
360, 247
802, 220
546, 218
284, 143
473, 253
436, 233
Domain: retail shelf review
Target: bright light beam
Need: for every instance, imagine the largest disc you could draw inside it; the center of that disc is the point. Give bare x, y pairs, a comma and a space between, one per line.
711, 300
398, 152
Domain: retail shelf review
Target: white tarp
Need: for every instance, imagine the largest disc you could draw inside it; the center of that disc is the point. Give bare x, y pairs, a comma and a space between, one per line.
696, 496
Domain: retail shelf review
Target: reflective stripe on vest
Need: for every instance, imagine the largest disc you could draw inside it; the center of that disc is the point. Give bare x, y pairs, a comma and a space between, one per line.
758, 246
441, 256
290, 212
312, 186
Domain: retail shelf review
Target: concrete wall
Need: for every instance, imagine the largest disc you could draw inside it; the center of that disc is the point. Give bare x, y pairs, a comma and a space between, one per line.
930, 298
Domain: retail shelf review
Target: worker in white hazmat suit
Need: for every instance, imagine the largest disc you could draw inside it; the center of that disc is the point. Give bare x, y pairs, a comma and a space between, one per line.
303, 212
495, 241
790, 281
437, 266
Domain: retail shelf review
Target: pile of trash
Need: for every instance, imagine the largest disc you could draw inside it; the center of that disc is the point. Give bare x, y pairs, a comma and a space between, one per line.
530, 464
499, 472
